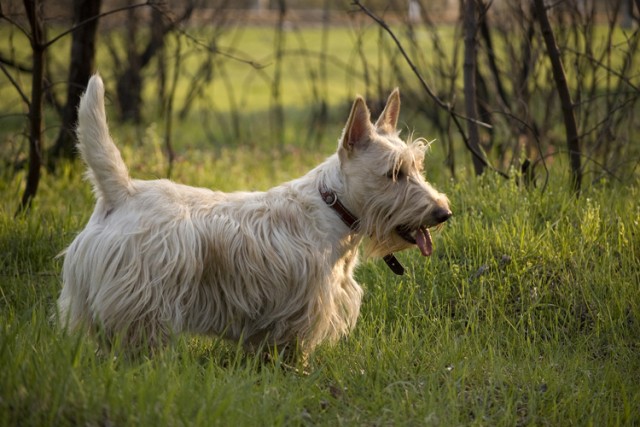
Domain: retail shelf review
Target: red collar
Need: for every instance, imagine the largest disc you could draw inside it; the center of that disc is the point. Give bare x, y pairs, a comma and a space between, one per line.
331, 199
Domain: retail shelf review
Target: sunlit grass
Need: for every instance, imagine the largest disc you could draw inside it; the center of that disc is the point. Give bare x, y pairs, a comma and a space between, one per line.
527, 313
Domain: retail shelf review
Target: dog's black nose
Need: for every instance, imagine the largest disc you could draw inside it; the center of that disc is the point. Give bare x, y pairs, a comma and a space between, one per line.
442, 214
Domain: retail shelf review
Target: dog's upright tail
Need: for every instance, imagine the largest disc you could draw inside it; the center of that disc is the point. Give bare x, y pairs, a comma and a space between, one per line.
106, 170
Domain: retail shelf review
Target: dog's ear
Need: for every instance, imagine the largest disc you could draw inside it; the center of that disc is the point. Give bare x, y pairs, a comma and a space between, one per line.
358, 127
389, 117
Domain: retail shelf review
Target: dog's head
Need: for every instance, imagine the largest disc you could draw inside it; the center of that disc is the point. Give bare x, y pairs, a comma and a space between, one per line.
384, 182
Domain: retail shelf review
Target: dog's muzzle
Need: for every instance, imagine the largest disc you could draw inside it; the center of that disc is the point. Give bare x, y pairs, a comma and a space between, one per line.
422, 236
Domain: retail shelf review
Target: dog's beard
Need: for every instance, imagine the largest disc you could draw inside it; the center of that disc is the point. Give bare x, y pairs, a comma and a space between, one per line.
379, 244
389, 229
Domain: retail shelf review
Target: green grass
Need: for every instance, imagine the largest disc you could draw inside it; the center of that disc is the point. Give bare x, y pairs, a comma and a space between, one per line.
527, 314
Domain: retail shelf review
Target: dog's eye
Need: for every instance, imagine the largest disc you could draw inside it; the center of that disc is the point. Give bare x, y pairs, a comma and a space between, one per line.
395, 174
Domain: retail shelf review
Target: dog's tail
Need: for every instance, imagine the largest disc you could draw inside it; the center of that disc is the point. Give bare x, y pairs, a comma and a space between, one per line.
106, 170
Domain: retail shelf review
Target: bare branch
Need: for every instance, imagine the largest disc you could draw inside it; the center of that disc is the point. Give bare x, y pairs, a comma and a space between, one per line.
34, 14
15, 84
571, 128
215, 50
444, 105
14, 64
606, 67
86, 21
14, 23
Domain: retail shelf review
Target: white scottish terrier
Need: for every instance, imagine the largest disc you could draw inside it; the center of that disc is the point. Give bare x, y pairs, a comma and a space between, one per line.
276, 267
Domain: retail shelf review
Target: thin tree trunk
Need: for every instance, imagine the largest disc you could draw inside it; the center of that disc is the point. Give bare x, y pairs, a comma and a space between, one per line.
491, 56
168, 107
129, 86
82, 65
33, 9
277, 113
130, 82
571, 129
469, 71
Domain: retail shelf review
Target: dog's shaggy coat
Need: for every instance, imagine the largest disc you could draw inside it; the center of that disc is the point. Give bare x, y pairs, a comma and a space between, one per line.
158, 258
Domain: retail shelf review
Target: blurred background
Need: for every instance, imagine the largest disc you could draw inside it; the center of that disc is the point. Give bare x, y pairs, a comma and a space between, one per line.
524, 89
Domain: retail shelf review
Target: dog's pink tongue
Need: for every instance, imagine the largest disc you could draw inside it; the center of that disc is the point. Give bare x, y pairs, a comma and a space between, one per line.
423, 240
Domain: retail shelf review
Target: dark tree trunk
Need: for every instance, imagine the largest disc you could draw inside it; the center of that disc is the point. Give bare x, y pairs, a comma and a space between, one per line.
571, 129
80, 69
129, 87
33, 9
470, 92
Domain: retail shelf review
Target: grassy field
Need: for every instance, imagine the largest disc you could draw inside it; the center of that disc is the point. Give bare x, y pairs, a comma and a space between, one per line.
528, 313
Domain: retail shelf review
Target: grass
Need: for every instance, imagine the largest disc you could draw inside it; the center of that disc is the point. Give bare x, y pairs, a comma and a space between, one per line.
527, 314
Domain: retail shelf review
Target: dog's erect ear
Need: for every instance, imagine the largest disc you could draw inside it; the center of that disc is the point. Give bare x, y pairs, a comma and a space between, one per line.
358, 126
389, 117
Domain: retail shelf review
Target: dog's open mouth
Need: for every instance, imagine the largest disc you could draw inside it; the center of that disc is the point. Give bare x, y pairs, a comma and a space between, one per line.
420, 237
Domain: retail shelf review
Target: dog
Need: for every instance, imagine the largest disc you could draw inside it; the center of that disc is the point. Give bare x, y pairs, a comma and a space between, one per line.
159, 258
